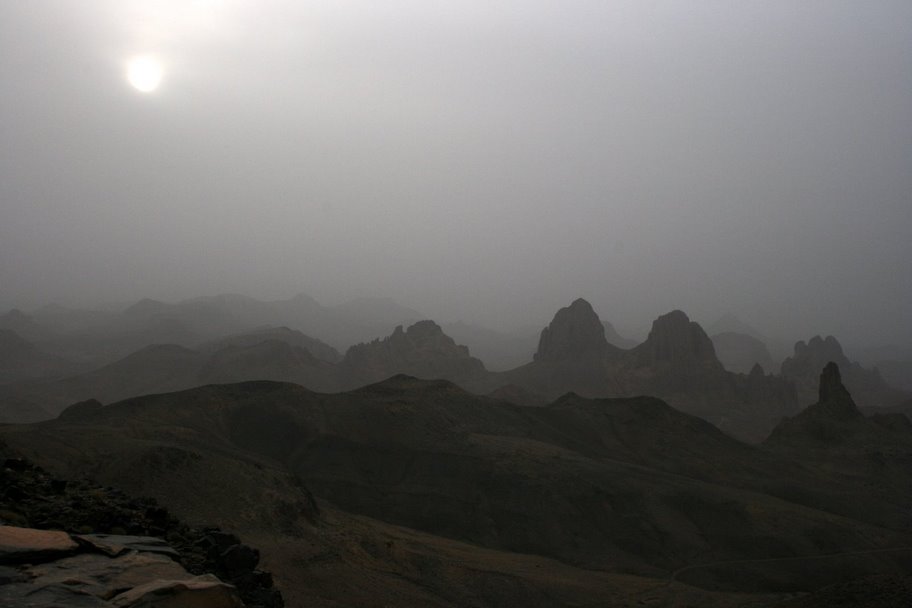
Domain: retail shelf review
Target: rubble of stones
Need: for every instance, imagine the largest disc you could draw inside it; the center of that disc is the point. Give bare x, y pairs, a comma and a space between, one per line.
110, 548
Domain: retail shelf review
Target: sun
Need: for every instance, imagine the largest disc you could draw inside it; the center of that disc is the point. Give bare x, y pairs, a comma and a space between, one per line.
144, 73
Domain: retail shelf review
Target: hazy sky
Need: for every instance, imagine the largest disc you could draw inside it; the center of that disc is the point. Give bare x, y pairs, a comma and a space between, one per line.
488, 161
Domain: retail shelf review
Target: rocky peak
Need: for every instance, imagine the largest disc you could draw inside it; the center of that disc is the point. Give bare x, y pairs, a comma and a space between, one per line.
820, 349
575, 333
867, 386
422, 350
833, 420
146, 307
425, 329
674, 338
831, 386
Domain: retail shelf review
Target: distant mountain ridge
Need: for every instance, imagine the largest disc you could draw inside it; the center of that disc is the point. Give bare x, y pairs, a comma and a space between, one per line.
676, 362
868, 388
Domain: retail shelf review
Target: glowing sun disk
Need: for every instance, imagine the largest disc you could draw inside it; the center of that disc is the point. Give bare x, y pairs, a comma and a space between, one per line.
144, 73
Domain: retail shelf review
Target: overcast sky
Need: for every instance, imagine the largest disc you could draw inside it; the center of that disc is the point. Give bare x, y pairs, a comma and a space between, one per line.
488, 161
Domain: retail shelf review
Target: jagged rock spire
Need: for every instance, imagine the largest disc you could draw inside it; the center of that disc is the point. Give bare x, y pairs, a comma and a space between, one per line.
831, 386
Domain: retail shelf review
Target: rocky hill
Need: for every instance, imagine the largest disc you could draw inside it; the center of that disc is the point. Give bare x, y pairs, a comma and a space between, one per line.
835, 421
867, 386
677, 362
74, 543
572, 355
583, 501
315, 347
575, 333
21, 360
422, 350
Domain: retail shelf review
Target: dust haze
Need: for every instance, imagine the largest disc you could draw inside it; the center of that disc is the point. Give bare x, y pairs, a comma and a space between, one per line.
488, 162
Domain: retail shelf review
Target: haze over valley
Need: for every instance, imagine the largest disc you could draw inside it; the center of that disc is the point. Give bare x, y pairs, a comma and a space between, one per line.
470, 304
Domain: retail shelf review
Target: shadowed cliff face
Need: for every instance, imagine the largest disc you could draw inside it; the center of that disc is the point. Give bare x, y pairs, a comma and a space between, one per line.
676, 341
831, 387
575, 333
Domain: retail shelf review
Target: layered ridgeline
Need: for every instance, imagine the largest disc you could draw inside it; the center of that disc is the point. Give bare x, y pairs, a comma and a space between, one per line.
677, 362
20, 360
97, 337
867, 386
430, 495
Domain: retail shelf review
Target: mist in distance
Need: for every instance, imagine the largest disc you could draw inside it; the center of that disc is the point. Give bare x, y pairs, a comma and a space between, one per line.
475, 161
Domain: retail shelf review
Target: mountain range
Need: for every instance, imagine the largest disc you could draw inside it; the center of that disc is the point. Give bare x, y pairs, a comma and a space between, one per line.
677, 362
428, 494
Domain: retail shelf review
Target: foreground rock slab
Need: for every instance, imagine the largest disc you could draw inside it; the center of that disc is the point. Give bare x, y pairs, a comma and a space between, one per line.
49, 569
21, 545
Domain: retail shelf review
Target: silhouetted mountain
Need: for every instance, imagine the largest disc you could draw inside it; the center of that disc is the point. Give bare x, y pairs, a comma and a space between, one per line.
572, 355
729, 323
676, 362
676, 342
341, 326
267, 360
834, 420
741, 352
423, 350
21, 360
867, 386
575, 333
315, 347
154, 369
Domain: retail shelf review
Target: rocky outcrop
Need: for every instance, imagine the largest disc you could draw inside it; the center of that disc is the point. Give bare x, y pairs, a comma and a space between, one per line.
575, 333
677, 362
835, 421
773, 393
868, 388
676, 341
831, 390
572, 355
81, 409
53, 568
422, 350
117, 551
